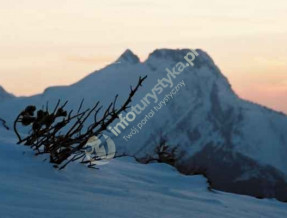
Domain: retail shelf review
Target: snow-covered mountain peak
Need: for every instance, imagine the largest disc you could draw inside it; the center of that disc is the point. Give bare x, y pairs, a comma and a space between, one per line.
128, 57
215, 130
173, 54
177, 55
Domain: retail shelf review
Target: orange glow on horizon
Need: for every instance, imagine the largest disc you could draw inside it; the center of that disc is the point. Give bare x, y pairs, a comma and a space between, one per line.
59, 42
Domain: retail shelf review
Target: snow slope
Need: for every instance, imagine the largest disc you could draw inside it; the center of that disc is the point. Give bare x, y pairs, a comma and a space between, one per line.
31, 188
241, 145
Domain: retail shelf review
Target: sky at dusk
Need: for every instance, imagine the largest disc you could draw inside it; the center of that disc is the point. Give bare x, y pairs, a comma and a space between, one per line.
47, 43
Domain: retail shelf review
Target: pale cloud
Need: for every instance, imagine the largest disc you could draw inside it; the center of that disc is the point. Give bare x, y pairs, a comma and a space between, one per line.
274, 62
89, 59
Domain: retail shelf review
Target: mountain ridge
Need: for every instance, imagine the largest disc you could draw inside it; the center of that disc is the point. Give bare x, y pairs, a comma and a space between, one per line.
4, 94
205, 117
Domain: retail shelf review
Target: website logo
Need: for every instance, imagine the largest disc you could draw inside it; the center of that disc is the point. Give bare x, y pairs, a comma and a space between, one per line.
100, 152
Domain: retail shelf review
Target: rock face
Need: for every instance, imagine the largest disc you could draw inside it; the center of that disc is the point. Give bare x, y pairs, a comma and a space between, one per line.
239, 145
235, 172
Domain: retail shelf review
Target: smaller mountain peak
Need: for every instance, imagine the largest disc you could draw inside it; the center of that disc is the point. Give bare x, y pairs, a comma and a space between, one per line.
2, 89
128, 57
4, 94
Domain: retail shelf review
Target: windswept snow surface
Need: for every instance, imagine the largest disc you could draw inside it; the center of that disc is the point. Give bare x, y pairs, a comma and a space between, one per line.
31, 188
